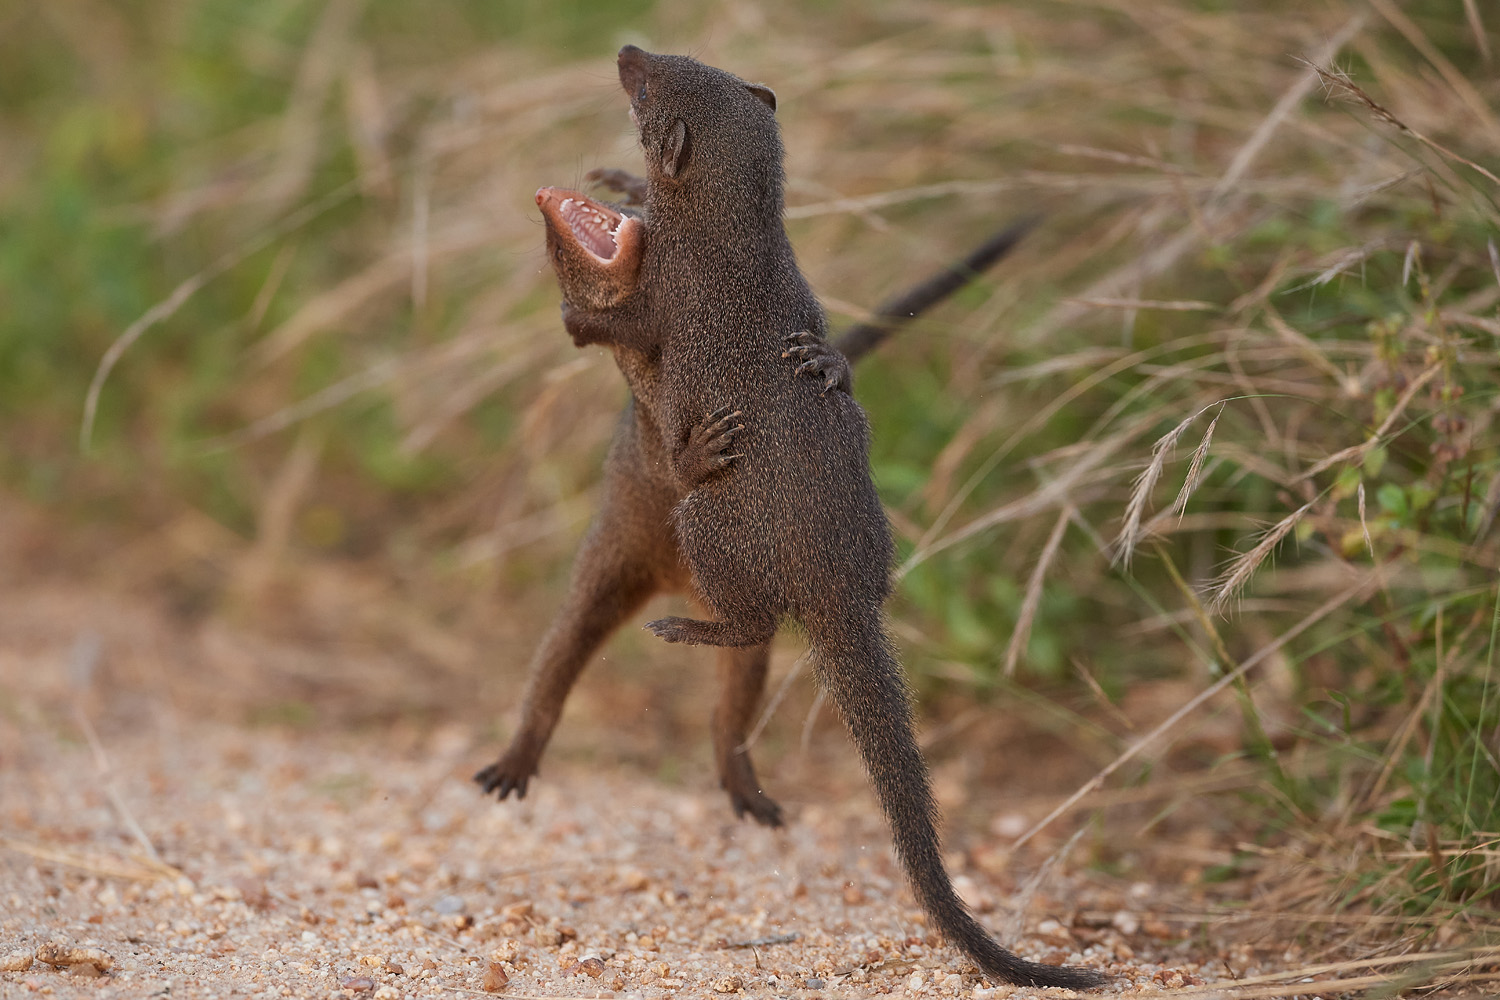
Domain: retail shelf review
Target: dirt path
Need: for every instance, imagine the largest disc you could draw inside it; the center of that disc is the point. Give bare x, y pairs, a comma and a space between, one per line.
306, 864
208, 858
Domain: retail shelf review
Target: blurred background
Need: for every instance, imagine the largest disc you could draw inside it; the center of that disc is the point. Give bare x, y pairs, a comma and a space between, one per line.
1197, 490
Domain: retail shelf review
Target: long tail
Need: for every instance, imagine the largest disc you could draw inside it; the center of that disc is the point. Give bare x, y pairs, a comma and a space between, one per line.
867, 684
892, 314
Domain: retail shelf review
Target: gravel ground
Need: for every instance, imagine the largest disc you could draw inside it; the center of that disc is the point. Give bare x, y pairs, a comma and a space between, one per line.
326, 864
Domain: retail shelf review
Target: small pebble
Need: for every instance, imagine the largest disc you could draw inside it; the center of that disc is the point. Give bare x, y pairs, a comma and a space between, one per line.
1054, 930
16, 961
60, 953
359, 984
495, 978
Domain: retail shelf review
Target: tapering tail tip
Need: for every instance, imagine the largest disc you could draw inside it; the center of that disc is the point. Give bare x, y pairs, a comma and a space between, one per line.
1000, 965
1064, 976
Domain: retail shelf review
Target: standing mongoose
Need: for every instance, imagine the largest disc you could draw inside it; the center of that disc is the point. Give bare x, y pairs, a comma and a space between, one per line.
631, 551
789, 526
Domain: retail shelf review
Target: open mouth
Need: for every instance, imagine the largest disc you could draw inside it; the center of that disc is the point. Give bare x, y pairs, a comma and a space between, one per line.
594, 226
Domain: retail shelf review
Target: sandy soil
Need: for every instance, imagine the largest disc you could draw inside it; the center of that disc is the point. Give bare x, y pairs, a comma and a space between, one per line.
155, 844
304, 864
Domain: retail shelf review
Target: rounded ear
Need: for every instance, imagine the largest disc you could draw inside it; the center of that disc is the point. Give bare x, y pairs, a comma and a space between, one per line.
762, 93
675, 149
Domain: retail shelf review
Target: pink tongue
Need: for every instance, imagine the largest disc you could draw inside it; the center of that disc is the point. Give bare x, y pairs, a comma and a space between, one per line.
589, 229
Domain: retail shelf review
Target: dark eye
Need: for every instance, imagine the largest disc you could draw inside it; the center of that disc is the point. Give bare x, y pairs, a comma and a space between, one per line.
640, 95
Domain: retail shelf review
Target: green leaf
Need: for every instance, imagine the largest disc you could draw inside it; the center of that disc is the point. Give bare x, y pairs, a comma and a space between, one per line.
1392, 500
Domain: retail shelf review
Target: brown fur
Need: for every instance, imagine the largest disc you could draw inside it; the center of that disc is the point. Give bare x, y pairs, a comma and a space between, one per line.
788, 527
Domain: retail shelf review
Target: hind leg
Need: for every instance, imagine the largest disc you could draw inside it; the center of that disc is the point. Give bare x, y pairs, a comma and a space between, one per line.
628, 555
604, 590
742, 680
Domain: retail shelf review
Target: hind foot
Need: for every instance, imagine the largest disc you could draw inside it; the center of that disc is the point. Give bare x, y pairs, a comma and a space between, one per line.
745, 795
701, 633
508, 774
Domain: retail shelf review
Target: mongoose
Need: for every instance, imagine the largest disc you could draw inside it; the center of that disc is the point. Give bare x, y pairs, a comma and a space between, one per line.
789, 526
630, 552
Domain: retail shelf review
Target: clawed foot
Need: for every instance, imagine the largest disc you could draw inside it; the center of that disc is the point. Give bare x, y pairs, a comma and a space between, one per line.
675, 629
707, 448
816, 357
696, 632
745, 795
506, 775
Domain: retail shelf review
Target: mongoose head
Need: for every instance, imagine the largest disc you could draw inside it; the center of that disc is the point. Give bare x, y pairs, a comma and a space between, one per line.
702, 128
595, 250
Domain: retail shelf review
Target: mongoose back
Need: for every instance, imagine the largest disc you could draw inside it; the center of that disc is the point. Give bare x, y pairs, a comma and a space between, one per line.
789, 526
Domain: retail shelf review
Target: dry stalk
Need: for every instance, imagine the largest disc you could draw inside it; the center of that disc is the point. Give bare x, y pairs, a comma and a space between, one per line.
775, 701
1033, 598
1481, 39
1338, 81
1242, 567
134, 868
1364, 526
1162, 305
1195, 467
1145, 483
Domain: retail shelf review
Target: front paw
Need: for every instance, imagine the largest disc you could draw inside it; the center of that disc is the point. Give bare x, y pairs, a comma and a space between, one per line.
707, 449
815, 357
632, 187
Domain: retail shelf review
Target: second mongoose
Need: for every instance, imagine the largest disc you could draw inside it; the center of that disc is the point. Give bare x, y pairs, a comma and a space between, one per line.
788, 526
